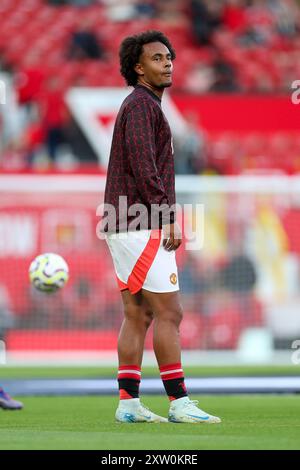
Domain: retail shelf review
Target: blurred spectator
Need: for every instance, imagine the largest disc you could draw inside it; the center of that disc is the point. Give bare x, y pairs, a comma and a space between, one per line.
145, 8
33, 141
225, 79
287, 16
234, 15
261, 23
206, 18
21, 152
84, 43
54, 116
29, 80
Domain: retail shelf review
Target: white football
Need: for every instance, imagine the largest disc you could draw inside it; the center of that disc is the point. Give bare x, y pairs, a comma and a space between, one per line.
48, 272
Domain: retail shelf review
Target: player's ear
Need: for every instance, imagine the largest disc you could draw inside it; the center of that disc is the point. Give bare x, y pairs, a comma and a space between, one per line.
138, 68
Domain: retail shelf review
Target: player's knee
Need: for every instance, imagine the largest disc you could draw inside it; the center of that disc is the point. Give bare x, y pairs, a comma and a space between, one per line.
131, 311
178, 315
173, 315
138, 315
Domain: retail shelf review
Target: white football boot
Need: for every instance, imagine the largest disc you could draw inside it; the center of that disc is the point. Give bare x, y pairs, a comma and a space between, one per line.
133, 411
184, 410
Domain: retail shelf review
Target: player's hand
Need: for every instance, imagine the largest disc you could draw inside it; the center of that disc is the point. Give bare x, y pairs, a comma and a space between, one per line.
172, 236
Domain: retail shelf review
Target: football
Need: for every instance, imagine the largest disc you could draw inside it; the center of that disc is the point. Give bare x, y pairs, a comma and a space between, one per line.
48, 272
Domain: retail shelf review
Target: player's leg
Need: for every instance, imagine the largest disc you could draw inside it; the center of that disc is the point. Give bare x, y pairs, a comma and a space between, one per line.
8, 403
168, 313
137, 319
167, 318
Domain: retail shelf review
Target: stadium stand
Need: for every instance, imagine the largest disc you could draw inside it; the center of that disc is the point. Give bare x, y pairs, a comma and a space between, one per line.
260, 62
252, 47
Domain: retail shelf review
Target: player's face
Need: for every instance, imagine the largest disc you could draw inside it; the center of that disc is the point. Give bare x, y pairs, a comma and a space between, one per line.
155, 66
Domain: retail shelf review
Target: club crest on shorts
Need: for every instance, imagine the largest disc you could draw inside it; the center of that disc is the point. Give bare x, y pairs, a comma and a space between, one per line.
173, 278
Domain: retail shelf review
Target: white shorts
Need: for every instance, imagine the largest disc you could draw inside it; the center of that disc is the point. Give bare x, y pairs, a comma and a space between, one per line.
141, 261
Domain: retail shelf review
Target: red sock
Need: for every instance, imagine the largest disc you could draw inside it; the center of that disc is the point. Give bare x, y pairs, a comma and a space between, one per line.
173, 380
129, 378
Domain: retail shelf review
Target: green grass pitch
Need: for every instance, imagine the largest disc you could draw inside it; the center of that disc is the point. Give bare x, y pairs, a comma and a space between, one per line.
28, 372
248, 421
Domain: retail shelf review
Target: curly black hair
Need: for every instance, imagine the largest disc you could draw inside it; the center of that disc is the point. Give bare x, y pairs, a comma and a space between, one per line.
131, 49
